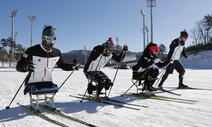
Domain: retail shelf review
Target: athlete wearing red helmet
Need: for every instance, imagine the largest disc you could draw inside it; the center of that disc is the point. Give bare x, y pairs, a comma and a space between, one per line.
147, 67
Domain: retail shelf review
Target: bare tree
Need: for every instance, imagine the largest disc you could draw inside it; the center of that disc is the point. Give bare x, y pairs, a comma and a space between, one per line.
19, 50
208, 24
201, 29
195, 36
4, 43
204, 28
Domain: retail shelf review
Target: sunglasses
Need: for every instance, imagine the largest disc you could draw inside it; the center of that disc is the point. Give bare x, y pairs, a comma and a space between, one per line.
49, 38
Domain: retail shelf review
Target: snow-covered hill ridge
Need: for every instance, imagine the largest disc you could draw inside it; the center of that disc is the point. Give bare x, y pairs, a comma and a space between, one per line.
201, 60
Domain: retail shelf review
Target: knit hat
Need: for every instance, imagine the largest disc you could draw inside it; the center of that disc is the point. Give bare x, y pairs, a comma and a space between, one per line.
183, 34
109, 44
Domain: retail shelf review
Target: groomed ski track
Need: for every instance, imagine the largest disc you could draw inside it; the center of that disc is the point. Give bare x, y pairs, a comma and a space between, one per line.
158, 113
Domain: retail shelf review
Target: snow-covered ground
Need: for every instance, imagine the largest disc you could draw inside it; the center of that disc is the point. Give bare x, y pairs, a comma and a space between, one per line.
158, 114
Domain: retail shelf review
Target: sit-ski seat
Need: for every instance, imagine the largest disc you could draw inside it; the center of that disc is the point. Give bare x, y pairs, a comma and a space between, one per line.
138, 83
47, 92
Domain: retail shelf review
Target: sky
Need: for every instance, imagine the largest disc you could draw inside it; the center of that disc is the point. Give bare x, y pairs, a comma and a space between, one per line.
87, 23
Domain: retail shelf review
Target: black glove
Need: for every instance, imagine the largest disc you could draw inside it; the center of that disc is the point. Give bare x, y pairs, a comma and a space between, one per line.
182, 42
30, 67
75, 61
185, 56
167, 62
75, 65
125, 48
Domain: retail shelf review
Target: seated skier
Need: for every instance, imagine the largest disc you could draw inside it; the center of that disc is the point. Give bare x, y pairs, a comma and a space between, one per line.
39, 61
99, 56
147, 67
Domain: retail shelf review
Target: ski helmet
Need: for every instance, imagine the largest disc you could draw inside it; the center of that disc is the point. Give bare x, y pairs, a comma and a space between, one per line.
154, 48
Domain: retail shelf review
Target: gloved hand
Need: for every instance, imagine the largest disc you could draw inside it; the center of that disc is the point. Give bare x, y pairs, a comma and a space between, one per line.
75, 65
170, 61
186, 56
157, 60
125, 48
153, 66
182, 42
75, 61
30, 67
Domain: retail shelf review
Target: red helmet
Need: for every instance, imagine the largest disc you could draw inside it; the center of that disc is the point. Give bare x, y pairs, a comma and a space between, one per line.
154, 48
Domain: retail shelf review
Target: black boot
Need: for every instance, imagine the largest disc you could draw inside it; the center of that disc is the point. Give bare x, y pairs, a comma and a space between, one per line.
98, 90
91, 88
151, 88
165, 76
181, 85
144, 87
148, 85
108, 84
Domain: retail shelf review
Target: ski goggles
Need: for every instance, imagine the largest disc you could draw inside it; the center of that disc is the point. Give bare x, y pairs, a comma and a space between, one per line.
111, 49
49, 38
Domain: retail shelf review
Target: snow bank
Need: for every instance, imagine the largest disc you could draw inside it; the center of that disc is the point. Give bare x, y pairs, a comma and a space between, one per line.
201, 60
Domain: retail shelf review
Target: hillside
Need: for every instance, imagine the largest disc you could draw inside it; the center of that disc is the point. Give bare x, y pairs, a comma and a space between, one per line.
200, 60
79, 55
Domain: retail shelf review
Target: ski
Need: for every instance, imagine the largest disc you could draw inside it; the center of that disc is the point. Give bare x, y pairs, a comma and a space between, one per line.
58, 112
36, 112
104, 101
190, 88
122, 102
168, 91
162, 98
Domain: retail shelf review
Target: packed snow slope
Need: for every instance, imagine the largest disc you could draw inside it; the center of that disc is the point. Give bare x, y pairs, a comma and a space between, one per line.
200, 60
158, 114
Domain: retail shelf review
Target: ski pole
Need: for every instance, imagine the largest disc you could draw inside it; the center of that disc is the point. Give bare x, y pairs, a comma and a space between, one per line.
162, 73
28, 75
63, 82
75, 62
61, 85
142, 76
114, 79
66, 80
116, 73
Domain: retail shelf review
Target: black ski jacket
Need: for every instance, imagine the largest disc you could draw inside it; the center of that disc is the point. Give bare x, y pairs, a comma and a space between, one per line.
147, 60
43, 62
98, 59
176, 49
